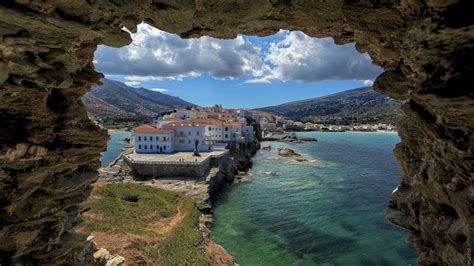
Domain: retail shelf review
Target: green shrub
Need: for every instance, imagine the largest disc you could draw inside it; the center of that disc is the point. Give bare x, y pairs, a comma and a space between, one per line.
131, 208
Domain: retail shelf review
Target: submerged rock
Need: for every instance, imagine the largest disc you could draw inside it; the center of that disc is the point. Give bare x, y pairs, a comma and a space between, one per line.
269, 173
301, 159
267, 148
286, 152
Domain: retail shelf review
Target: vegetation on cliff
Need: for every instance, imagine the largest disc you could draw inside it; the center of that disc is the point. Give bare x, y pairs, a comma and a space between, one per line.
145, 224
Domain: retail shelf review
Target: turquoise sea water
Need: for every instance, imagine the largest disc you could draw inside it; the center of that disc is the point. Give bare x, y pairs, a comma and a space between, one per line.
325, 212
114, 146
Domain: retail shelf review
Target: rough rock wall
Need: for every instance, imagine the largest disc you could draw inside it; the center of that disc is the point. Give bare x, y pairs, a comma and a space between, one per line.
49, 150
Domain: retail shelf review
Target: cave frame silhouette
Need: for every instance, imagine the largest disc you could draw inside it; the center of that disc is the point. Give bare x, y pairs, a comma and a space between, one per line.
50, 150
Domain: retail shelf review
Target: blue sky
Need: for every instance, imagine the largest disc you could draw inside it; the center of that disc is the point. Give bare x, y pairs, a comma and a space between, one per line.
248, 71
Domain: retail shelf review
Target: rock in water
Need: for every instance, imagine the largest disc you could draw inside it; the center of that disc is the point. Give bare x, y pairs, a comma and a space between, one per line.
267, 148
301, 159
269, 173
286, 152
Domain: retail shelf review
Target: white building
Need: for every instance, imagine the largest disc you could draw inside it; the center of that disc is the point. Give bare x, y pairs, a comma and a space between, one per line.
149, 139
178, 135
243, 113
184, 114
189, 133
248, 133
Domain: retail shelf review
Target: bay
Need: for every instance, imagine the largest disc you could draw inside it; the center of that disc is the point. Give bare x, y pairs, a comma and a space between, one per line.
328, 211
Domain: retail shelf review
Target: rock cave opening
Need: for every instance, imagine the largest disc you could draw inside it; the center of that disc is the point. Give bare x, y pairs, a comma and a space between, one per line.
50, 150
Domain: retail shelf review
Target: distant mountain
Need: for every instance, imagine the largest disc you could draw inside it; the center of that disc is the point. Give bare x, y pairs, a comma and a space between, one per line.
362, 105
115, 101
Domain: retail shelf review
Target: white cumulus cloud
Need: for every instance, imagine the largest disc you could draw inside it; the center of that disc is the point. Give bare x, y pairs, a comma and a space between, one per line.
302, 58
157, 55
368, 82
164, 56
158, 89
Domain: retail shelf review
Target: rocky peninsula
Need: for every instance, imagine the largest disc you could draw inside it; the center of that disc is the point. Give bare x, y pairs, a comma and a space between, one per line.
202, 190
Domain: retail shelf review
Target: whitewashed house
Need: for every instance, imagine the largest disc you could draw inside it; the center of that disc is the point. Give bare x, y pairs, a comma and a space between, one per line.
187, 134
184, 114
243, 113
149, 139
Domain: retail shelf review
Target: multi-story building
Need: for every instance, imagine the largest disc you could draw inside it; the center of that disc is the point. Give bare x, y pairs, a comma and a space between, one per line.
188, 135
188, 129
149, 139
243, 113
184, 113
177, 135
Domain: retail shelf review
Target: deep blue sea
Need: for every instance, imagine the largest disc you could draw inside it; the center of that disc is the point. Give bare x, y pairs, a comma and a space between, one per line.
114, 146
325, 212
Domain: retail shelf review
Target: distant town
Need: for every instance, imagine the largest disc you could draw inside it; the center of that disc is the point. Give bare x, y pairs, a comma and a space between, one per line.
271, 123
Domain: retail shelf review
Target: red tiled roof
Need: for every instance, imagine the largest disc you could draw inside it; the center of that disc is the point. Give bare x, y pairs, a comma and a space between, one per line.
182, 124
208, 121
147, 128
196, 122
234, 124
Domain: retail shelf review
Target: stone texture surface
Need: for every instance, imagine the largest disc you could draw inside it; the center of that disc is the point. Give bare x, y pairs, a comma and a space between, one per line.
49, 150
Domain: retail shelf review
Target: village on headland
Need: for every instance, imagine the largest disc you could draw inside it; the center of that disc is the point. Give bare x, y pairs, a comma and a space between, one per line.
196, 151
188, 141
192, 150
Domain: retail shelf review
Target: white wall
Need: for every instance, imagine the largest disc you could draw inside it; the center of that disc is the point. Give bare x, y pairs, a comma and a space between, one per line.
248, 133
152, 142
215, 132
182, 114
186, 136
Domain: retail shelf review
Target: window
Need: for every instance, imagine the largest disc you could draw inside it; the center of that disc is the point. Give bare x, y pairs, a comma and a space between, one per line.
157, 138
181, 141
144, 139
189, 133
197, 133
209, 128
139, 147
139, 138
226, 129
226, 136
164, 148
145, 147
189, 141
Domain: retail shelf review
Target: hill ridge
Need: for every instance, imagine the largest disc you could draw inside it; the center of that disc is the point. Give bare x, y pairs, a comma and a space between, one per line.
359, 105
114, 101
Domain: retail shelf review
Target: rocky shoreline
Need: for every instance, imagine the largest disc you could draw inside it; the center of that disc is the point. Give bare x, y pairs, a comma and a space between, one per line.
203, 190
